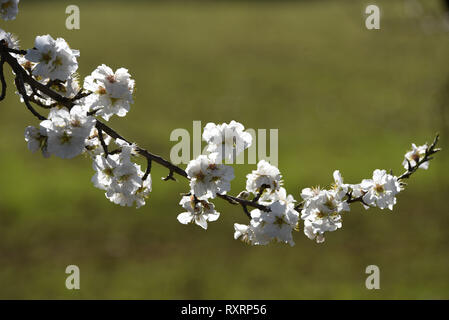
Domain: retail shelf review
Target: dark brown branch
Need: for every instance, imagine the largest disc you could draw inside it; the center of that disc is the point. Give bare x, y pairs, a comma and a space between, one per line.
261, 191
2, 79
21, 87
299, 206
169, 176
245, 209
357, 199
235, 200
22, 52
113, 134
103, 143
148, 171
81, 95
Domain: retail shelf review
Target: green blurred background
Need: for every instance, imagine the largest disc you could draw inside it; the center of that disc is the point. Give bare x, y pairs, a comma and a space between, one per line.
342, 98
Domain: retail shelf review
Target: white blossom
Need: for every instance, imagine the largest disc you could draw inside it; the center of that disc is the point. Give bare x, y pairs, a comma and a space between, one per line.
415, 155
308, 194
281, 195
11, 40
67, 131
122, 179
104, 170
250, 234
198, 211
208, 178
381, 190
127, 149
339, 186
311, 232
356, 190
111, 91
54, 59
322, 212
227, 140
266, 174
143, 192
36, 139
275, 225
241, 231
127, 179
322, 209
9, 9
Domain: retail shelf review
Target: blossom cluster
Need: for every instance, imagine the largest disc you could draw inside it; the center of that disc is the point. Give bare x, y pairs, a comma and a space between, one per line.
9, 9
208, 176
122, 179
70, 131
321, 209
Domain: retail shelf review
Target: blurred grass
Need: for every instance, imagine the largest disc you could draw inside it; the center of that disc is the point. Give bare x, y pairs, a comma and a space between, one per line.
342, 97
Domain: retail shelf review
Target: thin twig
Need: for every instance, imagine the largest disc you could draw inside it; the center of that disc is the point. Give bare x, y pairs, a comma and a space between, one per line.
148, 171
2, 79
429, 151
103, 143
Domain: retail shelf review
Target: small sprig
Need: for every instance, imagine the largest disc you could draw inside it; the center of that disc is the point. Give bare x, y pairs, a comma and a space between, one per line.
432, 149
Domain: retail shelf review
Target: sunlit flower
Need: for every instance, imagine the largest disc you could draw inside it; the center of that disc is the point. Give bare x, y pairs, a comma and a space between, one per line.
67, 131
322, 209
414, 156
275, 225
111, 91
381, 189
104, 170
36, 139
265, 175
312, 233
54, 59
198, 211
208, 178
227, 140
11, 40
9, 9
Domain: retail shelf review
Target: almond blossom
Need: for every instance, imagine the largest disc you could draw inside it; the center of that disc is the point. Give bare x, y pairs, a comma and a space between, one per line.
111, 91
11, 40
198, 211
9, 9
207, 178
67, 131
265, 175
381, 190
226, 140
415, 155
54, 59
